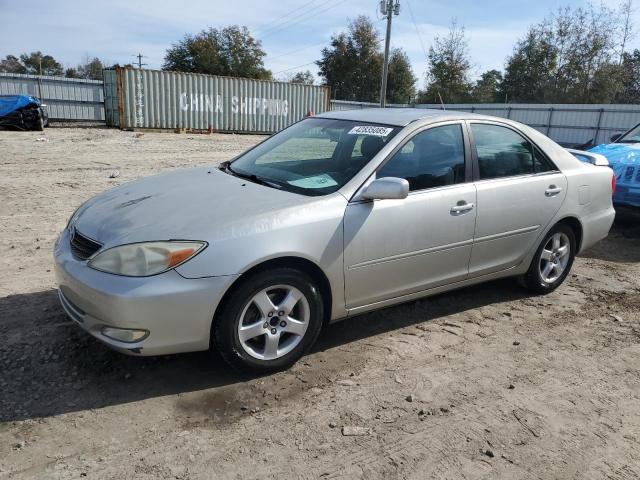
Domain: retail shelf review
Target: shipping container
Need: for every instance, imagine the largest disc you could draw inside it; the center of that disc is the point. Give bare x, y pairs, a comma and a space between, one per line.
136, 98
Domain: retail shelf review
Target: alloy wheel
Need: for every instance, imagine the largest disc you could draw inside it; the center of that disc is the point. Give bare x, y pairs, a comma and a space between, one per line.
273, 322
554, 257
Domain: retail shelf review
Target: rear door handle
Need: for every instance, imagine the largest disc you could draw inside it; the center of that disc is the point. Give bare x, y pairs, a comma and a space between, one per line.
462, 207
552, 190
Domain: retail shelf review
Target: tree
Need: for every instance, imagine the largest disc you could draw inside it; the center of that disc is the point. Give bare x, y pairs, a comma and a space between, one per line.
401, 80
630, 77
570, 57
231, 51
90, 69
528, 74
487, 87
12, 64
449, 66
305, 78
352, 64
626, 10
36, 63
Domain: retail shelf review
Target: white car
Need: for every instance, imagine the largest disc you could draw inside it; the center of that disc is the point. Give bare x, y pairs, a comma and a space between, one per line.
339, 214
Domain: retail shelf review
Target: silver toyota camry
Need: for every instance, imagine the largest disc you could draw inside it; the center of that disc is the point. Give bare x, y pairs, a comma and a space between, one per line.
337, 215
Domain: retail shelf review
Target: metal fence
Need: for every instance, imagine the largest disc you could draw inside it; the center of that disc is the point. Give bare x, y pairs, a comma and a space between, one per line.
155, 99
67, 99
565, 123
136, 98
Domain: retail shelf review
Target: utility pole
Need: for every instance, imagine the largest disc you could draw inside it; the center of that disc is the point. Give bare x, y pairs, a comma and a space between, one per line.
388, 8
139, 56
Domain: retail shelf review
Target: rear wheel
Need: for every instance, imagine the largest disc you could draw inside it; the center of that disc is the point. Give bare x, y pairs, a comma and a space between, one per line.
553, 260
269, 321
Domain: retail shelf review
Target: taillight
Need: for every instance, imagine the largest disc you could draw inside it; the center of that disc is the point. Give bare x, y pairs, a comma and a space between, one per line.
613, 184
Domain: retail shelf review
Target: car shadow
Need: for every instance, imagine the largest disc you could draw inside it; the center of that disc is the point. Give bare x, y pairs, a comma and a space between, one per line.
623, 242
49, 366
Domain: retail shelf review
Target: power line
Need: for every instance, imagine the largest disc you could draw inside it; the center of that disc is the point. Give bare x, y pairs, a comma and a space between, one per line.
326, 42
424, 50
298, 50
314, 12
268, 25
283, 22
293, 68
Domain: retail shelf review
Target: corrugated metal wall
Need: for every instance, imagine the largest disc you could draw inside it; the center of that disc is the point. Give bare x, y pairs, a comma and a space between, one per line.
66, 98
348, 105
137, 98
571, 124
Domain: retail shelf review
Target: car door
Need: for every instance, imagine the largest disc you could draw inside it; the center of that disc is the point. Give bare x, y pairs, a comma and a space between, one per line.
519, 191
397, 247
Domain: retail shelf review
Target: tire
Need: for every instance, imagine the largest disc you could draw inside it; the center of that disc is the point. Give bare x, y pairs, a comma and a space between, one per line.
257, 306
535, 279
33, 120
38, 123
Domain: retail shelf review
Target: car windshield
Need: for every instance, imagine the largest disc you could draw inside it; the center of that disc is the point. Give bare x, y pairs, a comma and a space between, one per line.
633, 136
316, 156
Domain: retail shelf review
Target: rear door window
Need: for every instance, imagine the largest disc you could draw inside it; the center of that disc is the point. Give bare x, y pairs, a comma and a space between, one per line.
502, 152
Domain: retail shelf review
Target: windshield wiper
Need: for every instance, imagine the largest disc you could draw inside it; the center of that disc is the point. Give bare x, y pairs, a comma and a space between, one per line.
252, 177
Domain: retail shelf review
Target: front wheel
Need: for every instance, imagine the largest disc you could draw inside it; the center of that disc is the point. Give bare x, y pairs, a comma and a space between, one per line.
553, 260
38, 122
269, 321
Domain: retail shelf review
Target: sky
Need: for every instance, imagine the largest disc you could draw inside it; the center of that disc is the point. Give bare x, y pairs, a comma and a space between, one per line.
292, 32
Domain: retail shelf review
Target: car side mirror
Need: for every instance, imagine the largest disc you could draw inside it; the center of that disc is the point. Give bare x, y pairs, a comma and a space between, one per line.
386, 188
615, 137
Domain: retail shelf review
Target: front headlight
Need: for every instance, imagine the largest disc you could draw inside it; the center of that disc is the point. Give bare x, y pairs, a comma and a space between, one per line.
145, 259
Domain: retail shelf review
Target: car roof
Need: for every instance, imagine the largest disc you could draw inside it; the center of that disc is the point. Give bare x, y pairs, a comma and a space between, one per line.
398, 116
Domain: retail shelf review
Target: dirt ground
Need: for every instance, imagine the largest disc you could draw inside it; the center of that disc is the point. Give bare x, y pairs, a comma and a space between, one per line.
486, 382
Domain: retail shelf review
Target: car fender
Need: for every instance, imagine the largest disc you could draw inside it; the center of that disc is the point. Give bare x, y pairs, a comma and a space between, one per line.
316, 236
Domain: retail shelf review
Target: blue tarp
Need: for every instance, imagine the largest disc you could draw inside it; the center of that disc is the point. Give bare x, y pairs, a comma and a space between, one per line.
624, 159
10, 103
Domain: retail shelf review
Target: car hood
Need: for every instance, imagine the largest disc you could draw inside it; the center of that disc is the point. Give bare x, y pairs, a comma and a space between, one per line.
193, 204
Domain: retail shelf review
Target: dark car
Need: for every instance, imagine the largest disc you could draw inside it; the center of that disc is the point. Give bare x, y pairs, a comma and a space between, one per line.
23, 112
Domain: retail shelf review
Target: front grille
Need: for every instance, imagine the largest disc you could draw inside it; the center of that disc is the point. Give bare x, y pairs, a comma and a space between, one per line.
83, 247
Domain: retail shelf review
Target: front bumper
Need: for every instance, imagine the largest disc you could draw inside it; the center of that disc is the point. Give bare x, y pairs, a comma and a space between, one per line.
175, 310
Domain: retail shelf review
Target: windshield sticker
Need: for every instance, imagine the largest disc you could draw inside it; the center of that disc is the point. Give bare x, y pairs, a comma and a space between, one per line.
317, 181
370, 130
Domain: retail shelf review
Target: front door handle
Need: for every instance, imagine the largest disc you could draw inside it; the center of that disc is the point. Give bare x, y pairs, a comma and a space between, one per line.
552, 190
461, 207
